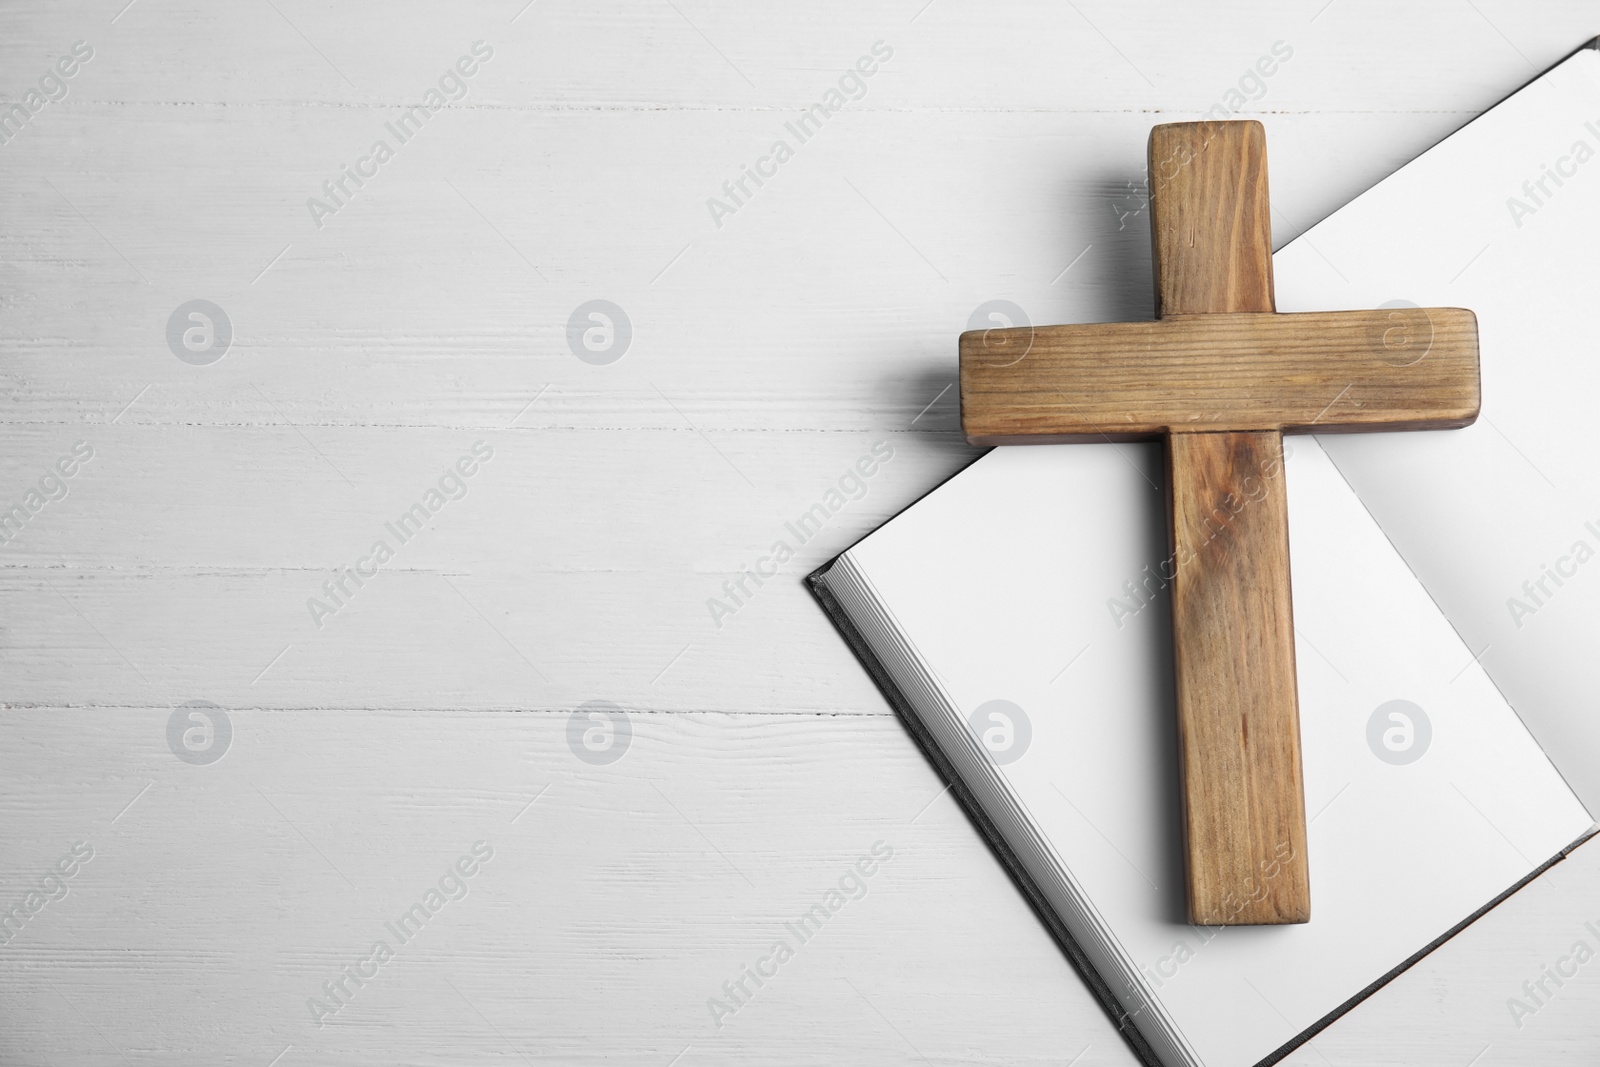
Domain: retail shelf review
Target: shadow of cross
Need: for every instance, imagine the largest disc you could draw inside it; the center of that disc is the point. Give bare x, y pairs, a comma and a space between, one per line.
1220, 377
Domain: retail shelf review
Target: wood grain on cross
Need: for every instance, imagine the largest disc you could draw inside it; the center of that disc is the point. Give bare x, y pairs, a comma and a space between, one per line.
1221, 377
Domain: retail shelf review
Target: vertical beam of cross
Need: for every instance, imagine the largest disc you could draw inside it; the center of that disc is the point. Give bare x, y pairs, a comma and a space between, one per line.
1238, 709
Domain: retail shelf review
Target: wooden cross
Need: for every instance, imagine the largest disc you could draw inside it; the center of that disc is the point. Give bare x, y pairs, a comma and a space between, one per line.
1221, 377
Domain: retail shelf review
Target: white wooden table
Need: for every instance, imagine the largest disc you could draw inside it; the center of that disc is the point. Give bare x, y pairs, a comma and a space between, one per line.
995, 155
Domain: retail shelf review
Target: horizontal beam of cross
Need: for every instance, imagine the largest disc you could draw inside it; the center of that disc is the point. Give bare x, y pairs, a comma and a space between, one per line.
1320, 372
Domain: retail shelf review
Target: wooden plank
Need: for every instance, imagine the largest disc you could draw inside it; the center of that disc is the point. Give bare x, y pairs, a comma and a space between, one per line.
191, 595
1393, 369
1233, 625
589, 861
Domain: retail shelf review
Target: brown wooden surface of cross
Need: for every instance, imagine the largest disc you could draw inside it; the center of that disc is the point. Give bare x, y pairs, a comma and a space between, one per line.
1220, 376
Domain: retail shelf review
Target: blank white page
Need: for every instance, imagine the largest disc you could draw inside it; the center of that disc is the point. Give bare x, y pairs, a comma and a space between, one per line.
1477, 513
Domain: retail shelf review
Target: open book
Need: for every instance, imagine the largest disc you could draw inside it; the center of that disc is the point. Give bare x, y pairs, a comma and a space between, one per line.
1446, 601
